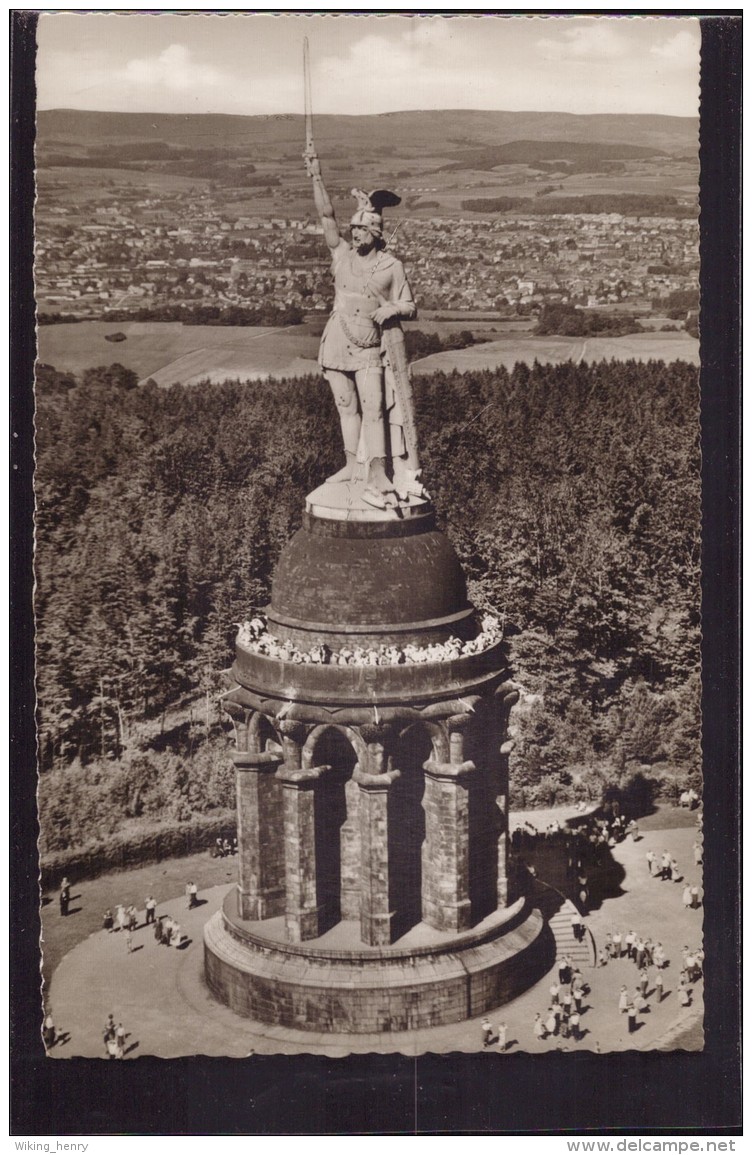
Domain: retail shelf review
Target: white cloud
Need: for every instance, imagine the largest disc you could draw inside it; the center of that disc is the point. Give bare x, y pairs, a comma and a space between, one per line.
596, 41
174, 70
682, 48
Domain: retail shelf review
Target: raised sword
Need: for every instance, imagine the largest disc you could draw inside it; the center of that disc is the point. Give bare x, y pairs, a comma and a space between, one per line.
309, 148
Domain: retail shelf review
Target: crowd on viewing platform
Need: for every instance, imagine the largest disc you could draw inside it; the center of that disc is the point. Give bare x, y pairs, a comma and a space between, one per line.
254, 636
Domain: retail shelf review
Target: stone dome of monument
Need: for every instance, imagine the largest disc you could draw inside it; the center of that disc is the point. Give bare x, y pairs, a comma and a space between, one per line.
384, 581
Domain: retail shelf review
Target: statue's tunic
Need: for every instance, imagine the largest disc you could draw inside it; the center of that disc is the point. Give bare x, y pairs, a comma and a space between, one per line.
351, 340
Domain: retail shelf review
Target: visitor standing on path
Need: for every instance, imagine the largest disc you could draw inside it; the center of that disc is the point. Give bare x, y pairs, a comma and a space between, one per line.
486, 1031
191, 891
659, 987
48, 1030
502, 1039
644, 981
64, 896
150, 908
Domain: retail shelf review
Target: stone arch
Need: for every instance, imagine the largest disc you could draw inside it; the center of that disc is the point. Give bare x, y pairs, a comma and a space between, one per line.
336, 824
317, 734
437, 732
260, 732
417, 743
239, 716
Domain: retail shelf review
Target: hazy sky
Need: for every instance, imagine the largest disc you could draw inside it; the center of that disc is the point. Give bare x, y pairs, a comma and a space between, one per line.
252, 64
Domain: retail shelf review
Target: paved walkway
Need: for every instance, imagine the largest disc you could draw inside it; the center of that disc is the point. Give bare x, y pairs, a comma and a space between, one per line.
159, 993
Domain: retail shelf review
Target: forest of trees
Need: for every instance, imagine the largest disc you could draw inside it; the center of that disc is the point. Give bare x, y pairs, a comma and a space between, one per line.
569, 321
570, 492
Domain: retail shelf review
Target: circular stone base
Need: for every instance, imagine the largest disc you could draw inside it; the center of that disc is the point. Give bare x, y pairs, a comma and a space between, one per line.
314, 988
344, 501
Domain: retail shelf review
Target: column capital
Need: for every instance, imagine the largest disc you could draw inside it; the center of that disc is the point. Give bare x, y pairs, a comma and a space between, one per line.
300, 778
450, 771
375, 782
382, 732
292, 728
456, 723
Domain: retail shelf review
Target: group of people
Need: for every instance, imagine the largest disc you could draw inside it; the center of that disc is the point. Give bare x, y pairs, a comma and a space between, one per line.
500, 1037
666, 868
690, 799
167, 931
255, 637
125, 919
645, 954
114, 1039
223, 848
563, 1017
639, 949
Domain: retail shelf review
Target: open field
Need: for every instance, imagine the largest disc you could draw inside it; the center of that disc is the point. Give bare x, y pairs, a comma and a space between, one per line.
637, 346
169, 352
153, 346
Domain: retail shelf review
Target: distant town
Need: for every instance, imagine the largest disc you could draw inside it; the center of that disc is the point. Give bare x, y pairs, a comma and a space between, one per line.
98, 258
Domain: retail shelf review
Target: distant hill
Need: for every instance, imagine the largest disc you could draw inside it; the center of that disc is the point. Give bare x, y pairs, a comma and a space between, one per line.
444, 132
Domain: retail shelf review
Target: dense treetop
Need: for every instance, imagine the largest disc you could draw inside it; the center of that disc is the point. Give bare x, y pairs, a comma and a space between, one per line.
571, 493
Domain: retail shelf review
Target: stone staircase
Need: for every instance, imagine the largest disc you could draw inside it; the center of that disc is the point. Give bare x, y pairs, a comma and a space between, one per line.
583, 954
557, 909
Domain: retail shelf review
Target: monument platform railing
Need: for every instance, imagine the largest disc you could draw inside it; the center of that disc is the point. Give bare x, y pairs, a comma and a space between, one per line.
387, 684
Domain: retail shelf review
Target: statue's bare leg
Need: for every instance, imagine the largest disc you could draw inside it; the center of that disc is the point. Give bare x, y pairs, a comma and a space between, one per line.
346, 399
370, 383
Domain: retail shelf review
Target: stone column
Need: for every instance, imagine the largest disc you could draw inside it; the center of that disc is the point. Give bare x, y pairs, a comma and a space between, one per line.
502, 844
261, 888
375, 914
302, 910
506, 695
446, 851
